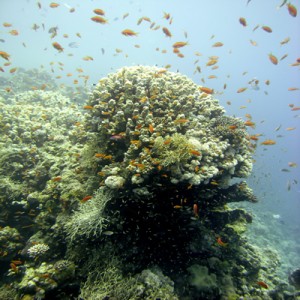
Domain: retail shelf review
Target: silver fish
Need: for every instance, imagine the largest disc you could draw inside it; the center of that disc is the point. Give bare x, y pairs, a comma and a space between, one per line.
73, 45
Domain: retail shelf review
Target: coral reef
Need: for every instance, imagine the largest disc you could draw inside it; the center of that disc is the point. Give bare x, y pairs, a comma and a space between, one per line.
133, 193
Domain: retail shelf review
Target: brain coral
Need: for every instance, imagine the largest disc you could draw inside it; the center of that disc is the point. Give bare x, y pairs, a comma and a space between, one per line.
150, 123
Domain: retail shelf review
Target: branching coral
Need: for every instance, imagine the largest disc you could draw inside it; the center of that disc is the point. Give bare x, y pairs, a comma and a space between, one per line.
90, 219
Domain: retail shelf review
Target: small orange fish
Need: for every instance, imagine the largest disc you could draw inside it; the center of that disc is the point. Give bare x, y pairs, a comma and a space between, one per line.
56, 179
273, 59
179, 44
211, 62
262, 284
13, 70
285, 41
217, 44
249, 123
14, 32
232, 127
243, 21
167, 32
241, 90
292, 164
129, 32
87, 58
253, 137
14, 267
57, 46
267, 29
99, 19
268, 142
181, 121
294, 108
220, 242
293, 89
166, 16
17, 262
206, 90
99, 11
151, 128
177, 206
196, 210
5, 24
290, 128
4, 55
292, 10
195, 152
53, 5
86, 198
88, 107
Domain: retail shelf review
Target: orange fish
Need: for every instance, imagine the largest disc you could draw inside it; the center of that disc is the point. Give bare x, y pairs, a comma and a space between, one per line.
179, 44
220, 242
262, 284
87, 58
249, 123
88, 107
99, 11
14, 32
285, 41
295, 108
5, 24
58, 47
290, 128
273, 59
166, 16
267, 29
4, 55
292, 10
12, 70
86, 198
53, 5
167, 32
211, 62
253, 43
181, 121
293, 89
99, 19
243, 21
240, 90
151, 128
56, 179
129, 32
268, 142
206, 90
14, 267
195, 152
217, 44
196, 210
253, 137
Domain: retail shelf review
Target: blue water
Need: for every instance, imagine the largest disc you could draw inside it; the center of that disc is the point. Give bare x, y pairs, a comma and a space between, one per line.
201, 24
